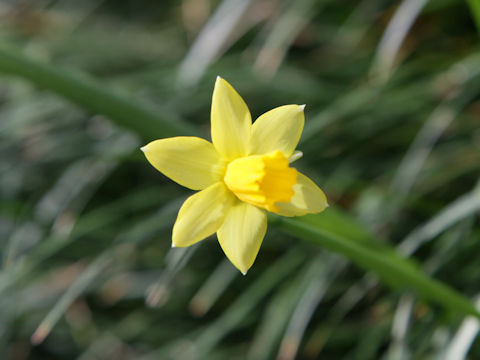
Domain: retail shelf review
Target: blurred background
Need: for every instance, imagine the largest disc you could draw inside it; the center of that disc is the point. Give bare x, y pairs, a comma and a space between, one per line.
392, 136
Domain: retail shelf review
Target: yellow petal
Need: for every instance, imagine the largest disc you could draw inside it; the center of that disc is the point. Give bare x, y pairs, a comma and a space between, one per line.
242, 233
308, 199
277, 129
201, 215
231, 121
187, 160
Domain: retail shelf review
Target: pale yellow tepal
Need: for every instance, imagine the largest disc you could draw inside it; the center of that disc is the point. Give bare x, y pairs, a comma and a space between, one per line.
243, 173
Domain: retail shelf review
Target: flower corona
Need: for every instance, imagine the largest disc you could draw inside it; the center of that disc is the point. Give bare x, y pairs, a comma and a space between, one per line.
262, 180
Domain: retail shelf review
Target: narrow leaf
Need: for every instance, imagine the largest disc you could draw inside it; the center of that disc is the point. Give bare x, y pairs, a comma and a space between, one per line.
475, 11
371, 255
90, 95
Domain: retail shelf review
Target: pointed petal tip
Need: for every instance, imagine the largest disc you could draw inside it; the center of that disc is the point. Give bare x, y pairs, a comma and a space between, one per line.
144, 148
244, 273
218, 77
301, 107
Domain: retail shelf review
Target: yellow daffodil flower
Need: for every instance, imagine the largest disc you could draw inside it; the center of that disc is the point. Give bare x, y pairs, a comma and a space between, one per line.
241, 174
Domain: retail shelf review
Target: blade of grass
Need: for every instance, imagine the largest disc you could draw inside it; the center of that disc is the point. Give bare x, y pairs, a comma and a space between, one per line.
246, 302
401, 323
394, 35
283, 34
208, 337
212, 289
460, 344
90, 95
306, 306
385, 262
78, 287
89, 275
475, 11
278, 313
176, 259
459, 209
89, 224
210, 41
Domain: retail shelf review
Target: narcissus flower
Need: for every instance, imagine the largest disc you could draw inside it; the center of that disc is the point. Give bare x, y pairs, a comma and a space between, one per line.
243, 173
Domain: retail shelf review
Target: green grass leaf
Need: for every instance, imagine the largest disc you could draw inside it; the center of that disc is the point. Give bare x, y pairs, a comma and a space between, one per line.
336, 232
475, 11
90, 95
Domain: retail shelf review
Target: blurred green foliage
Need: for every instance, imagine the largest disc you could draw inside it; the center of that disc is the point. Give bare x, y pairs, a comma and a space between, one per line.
392, 136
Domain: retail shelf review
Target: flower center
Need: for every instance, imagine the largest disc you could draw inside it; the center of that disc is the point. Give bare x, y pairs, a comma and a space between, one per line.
262, 180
